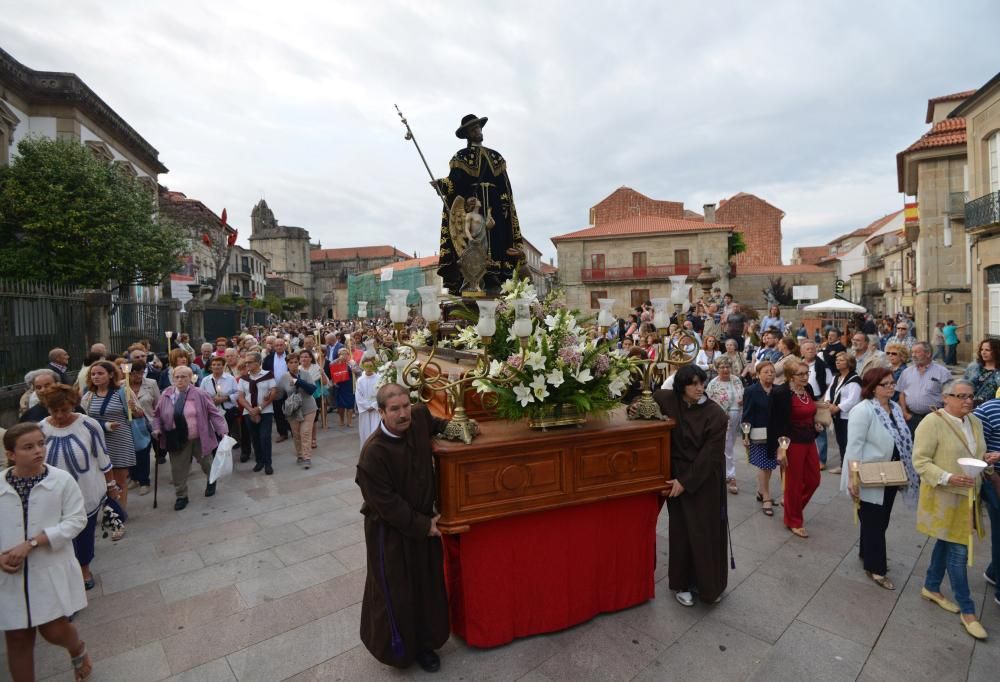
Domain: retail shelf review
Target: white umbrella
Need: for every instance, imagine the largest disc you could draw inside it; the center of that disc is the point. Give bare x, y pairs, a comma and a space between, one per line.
834, 305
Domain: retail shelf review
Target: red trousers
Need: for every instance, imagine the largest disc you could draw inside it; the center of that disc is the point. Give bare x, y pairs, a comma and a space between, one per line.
801, 481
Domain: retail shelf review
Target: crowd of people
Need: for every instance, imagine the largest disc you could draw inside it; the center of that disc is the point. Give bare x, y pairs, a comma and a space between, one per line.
86, 441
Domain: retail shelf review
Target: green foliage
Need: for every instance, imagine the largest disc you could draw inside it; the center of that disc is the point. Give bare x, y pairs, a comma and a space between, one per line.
737, 244
226, 299
70, 218
294, 303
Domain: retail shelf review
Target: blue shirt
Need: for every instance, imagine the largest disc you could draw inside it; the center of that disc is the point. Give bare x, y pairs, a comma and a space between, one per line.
950, 332
989, 415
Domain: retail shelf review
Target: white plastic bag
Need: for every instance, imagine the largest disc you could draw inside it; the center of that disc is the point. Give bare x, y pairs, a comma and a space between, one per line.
222, 464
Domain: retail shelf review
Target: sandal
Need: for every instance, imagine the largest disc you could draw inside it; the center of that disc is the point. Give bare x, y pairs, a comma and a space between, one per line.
800, 532
768, 510
118, 534
760, 498
732, 487
881, 580
82, 667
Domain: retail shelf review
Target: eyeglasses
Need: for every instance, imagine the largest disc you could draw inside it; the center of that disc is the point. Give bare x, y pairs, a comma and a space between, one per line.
902, 328
891, 352
891, 384
801, 374
961, 396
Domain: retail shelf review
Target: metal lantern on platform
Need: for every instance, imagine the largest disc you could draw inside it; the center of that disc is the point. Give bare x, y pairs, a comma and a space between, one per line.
429, 309
362, 309
486, 327
398, 310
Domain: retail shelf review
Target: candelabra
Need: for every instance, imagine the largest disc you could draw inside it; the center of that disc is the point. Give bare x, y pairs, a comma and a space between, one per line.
679, 348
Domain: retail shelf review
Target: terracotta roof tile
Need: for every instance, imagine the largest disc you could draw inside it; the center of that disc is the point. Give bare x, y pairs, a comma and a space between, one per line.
350, 253
869, 229
810, 255
780, 269
641, 225
426, 261
944, 133
548, 269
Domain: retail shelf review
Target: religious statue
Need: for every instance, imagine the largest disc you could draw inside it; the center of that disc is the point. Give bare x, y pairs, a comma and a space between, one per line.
481, 224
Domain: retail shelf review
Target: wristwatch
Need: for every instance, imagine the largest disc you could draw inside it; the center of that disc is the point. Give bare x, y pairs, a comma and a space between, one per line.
33, 542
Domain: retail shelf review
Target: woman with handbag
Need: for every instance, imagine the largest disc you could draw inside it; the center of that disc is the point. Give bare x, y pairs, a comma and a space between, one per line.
842, 394
188, 426
793, 417
146, 393
727, 391
75, 443
314, 374
111, 405
877, 432
300, 408
945, 512
757, 413
43, 511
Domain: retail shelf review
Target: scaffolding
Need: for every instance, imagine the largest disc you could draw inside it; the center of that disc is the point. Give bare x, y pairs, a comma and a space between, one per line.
370, 287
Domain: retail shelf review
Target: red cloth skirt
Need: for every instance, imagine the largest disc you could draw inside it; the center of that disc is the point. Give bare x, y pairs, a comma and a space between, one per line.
548, 571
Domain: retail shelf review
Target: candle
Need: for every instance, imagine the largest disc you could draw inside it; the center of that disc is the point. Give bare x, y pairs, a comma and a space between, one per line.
486, 327
522, 318
522, 328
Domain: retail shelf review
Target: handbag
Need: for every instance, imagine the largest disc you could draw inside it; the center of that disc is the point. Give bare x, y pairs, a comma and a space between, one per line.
880, 474
140, 429
823, 415
758, 434
339, 373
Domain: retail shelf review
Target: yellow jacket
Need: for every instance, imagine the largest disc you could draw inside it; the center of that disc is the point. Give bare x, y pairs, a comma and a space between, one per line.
943, 511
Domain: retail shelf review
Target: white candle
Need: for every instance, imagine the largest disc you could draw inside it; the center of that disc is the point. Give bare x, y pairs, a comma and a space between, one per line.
522, 328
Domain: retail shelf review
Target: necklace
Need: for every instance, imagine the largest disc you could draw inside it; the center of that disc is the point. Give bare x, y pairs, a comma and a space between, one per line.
803, 398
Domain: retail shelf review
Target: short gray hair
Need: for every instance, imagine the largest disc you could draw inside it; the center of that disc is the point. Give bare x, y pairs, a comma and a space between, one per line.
923, 344
30, 377
253, 356
949, 386
723, 361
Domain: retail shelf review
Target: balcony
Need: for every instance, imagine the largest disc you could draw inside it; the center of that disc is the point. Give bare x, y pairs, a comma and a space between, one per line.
874, 260
983, 212
631, 274
872, 289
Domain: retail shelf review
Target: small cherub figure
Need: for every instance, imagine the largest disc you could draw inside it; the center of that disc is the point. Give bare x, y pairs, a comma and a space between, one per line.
475, 224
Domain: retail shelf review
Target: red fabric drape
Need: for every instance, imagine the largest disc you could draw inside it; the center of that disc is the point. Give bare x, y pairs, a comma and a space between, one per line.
548, 571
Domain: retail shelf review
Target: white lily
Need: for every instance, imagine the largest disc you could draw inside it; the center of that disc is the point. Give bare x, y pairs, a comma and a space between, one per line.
551, 321
556, 378
481, 386
583, 376
538, 387
535, 360
523, 395
495, 368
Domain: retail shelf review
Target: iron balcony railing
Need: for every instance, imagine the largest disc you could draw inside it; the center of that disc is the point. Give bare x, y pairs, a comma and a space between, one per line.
650, 272
983, 211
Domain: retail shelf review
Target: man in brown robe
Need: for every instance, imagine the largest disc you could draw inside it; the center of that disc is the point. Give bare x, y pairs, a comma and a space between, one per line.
404, 614
696, 501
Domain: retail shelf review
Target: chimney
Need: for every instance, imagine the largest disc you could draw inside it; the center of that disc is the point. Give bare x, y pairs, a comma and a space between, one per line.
709, 213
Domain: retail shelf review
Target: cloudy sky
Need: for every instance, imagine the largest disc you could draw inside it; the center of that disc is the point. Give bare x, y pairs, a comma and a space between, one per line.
802, 103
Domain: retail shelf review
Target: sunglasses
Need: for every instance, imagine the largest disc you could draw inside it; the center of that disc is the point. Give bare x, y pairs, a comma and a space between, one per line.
891, 352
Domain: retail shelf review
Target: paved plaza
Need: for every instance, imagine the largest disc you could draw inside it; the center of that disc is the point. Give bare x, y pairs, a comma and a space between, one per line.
263, 582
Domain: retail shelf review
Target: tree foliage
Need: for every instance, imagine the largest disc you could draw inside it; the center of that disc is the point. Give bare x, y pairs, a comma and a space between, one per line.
68, 217
737, 244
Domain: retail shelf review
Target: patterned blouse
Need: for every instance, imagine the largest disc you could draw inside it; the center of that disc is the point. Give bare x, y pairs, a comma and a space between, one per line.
23, 487
728, 394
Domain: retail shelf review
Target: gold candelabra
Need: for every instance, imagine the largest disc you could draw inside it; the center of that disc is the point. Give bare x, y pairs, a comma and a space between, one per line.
679, 348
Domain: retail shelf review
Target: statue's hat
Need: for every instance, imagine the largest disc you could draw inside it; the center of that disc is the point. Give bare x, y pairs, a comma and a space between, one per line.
468, 120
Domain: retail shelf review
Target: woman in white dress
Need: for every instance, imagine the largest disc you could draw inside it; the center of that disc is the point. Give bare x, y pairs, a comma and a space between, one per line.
364, 398
726, 389
43, 511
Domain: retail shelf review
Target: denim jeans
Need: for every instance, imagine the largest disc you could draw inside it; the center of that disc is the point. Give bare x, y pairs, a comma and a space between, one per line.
951, 351
140, 472
821, 446
260, 434
992, 504
952, 557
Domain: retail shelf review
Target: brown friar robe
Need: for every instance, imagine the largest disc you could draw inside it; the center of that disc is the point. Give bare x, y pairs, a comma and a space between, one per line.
697, 547
405, 607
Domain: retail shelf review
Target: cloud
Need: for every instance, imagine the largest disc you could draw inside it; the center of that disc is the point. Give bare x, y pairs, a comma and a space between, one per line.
805, 104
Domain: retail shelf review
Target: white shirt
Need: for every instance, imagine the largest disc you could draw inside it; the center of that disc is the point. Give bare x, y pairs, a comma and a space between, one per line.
263, 388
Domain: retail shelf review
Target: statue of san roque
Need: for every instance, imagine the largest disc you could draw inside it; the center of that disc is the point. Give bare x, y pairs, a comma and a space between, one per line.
480, 235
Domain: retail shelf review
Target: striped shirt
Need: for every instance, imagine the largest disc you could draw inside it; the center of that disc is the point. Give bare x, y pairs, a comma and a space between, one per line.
989, 415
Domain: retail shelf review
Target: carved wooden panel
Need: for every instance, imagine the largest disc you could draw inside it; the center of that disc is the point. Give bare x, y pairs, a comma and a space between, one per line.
609, 464
511, 477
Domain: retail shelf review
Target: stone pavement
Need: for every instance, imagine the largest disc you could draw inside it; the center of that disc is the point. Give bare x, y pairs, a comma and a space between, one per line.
263, 582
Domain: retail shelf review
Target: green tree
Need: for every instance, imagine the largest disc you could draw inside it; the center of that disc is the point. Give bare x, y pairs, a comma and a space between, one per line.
737, 244
68, 217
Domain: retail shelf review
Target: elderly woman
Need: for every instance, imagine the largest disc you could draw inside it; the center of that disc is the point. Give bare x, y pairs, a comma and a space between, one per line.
110, 404
223, 391
793, 416
877, 432
696, 497
75, 443
944, 511
186, 422
301, 420
727, 390
37, 380
146, 393
757, 413
732, 351
843, 393
43, 511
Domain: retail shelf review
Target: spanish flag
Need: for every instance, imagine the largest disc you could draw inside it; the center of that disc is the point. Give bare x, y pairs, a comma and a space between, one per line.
911, 215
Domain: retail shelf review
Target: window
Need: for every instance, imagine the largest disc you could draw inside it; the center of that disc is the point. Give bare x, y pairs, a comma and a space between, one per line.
594, 295
639, 263
597, 262
993, 306
994, 157
682, 262
639, 296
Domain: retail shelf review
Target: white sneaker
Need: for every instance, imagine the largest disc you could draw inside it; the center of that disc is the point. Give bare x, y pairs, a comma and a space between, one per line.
685, 598
990, 580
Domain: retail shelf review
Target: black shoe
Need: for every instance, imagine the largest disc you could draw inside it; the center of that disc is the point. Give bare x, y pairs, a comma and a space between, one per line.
209, 490
258, 468
180, 503
429, 661
244, 458
268, 470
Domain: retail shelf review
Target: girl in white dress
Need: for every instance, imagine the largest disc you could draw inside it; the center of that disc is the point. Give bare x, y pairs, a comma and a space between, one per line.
364, 399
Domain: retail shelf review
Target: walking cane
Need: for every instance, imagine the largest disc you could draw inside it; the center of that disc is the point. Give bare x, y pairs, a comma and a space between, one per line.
156, 476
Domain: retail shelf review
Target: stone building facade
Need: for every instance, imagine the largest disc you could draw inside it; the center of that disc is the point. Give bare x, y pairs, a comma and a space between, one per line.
286, 247
247, 275
934, 170
331, 267
206, 235
981, 112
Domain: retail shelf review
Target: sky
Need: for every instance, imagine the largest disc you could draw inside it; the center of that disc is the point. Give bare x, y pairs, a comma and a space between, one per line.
804, 104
